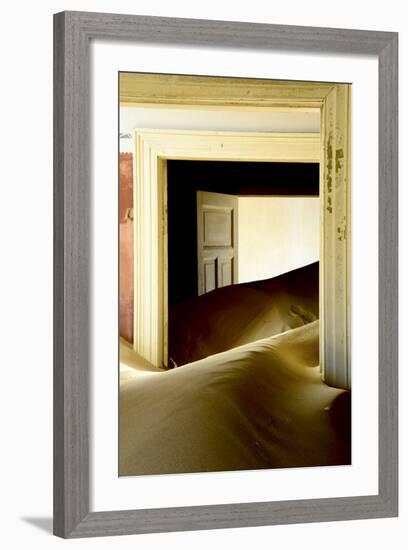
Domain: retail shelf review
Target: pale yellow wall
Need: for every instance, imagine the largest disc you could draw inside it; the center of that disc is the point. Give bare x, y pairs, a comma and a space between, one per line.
276, 235
213, 120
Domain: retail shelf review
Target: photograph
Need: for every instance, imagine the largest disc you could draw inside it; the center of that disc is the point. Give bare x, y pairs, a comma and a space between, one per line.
208, 278
226, 298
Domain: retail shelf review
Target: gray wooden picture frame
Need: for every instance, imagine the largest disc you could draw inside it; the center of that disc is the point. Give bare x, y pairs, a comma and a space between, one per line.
72, 201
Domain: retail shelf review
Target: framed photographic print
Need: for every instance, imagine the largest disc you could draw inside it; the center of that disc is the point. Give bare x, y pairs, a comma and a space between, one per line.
225, 274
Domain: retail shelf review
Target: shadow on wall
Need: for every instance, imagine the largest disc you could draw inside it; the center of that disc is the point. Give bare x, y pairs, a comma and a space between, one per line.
42, 523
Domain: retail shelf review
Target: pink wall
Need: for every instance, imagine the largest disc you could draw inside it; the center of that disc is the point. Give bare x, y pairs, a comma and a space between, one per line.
125, 247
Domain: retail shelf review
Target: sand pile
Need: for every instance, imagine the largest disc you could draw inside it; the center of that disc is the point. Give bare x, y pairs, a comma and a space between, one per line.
238, 314
261, 405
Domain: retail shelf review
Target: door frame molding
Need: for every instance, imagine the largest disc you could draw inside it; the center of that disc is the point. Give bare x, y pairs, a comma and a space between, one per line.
152, 150
154, 147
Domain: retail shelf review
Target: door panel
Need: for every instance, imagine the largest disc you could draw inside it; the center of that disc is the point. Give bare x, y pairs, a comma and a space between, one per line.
217, 227
210, 274
225, 272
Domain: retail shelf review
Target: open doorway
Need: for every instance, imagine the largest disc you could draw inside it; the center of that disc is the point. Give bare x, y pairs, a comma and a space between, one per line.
254, 226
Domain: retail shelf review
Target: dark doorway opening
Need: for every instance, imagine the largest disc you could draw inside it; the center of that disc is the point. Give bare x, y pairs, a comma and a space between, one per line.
185, 178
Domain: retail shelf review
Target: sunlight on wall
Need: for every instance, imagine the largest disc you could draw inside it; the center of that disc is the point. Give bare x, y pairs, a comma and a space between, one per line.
276, 235
213, 120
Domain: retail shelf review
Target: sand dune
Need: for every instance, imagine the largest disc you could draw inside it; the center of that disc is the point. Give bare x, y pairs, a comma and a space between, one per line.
239, 314
260, 405
248, 394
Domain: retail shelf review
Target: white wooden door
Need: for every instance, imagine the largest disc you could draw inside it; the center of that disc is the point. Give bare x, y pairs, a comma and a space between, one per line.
217, 231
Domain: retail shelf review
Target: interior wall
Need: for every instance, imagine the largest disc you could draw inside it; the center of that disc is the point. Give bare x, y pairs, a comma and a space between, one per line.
276, 235
212, 120
126, 283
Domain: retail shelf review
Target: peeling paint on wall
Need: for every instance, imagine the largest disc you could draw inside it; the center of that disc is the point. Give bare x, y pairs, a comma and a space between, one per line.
339, 159
329, 204
329, 175
342, 230
341, 233
126, 246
